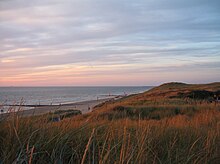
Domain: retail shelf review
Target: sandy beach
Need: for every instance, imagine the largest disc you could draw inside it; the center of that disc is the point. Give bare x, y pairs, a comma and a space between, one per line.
84, 107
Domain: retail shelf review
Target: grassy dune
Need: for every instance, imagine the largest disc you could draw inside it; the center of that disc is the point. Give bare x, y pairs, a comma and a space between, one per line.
163, 125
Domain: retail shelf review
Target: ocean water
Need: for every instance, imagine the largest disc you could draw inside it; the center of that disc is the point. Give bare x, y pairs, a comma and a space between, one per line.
60, 95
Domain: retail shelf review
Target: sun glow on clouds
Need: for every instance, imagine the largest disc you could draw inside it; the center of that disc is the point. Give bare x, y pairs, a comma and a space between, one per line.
18, 50
7, 60
108, 42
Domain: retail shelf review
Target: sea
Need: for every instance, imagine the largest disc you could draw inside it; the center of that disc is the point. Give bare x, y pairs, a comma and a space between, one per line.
61, 95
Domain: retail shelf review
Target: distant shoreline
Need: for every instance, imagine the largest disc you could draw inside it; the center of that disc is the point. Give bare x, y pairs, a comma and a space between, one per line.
83, 106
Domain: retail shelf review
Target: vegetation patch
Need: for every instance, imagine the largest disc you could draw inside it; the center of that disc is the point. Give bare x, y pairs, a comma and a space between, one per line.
149, 112
61, 114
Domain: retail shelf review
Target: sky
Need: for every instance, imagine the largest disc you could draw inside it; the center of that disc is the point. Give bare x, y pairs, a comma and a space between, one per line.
108, 42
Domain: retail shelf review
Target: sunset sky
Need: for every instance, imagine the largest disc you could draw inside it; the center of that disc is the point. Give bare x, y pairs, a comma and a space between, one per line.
108, 42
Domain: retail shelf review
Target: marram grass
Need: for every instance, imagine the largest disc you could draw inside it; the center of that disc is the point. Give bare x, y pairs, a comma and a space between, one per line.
179, 138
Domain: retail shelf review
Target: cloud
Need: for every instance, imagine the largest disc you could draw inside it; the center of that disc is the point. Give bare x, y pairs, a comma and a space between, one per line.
138, 36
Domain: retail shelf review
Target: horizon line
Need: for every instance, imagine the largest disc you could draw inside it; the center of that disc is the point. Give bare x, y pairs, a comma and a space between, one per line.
108, 85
